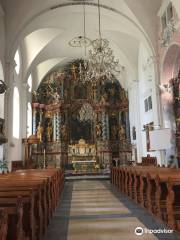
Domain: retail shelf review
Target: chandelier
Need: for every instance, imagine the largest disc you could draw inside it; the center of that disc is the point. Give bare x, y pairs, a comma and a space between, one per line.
81, 41
101, 63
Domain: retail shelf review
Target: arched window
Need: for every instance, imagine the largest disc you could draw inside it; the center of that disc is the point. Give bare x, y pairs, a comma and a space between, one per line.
29, 120
16, 112
17, 61
29, 81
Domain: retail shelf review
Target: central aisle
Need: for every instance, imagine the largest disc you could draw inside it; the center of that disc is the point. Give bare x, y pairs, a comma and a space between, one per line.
93, 210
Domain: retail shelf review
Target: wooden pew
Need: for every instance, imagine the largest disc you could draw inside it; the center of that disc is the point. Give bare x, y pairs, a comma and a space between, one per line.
154, 188
14, 211
39, 190
173, 202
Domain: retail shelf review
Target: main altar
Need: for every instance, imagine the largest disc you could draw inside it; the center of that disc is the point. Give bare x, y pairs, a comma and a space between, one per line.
76, 122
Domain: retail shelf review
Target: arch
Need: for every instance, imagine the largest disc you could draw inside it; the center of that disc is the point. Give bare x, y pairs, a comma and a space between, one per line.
16, 113
32, 24
170, 68
171, 63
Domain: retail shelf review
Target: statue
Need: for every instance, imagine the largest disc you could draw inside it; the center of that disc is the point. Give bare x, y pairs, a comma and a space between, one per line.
34, 96
40, 131
56, 97
49, 132
122, 133
114, 132
64, 132
104, 99
98, 130
123, 96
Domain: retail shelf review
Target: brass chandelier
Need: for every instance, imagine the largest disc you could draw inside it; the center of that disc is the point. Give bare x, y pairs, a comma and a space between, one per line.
100, 64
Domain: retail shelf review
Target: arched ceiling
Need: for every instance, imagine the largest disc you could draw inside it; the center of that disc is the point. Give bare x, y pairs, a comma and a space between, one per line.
43, 29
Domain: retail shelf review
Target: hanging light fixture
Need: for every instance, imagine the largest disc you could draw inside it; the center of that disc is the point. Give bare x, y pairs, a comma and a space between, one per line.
81, 41
102, 63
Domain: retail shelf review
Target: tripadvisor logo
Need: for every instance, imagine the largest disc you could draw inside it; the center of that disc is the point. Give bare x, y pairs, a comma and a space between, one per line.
139, 231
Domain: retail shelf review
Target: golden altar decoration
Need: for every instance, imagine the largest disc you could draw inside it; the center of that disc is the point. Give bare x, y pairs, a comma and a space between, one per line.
81, 151
82, 155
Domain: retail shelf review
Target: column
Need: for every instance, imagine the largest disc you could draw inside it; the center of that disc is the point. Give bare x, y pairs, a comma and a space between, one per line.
107, 126
104, 132
34, 113
127, 126
54, 127
57, 126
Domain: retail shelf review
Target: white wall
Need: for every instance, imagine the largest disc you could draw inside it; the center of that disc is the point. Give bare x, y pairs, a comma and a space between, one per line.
148, 86
2, 47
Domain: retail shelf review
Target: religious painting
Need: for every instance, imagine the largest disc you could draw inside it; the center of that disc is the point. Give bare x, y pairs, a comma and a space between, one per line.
111, 91
80, 129
113, 123
80, 91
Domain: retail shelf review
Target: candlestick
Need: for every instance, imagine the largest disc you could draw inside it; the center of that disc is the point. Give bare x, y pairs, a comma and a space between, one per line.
44, 158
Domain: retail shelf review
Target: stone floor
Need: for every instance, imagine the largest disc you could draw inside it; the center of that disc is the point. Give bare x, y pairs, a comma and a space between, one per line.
93, 210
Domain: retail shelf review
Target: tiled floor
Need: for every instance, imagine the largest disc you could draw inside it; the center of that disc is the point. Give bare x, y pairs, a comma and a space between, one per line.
93, 210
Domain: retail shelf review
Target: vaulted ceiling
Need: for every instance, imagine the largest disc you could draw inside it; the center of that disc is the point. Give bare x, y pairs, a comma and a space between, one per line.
43, 28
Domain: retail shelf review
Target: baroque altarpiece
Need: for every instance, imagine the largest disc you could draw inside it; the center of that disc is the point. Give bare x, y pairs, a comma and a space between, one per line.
75, 120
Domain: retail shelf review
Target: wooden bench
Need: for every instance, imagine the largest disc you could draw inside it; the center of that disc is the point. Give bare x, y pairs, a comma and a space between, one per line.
153, 188
39, 191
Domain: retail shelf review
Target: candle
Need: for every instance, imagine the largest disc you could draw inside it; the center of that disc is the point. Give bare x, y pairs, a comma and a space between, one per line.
44, 158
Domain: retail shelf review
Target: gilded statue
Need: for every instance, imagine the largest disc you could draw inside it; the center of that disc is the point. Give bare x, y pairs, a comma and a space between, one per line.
56, 97
64, 132
98, 129
122, 133
49, 132
40, 131
123, 95
104, 99
34, 96
114, 132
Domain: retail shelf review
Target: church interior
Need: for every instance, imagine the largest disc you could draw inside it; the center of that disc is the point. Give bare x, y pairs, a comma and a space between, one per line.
89, 119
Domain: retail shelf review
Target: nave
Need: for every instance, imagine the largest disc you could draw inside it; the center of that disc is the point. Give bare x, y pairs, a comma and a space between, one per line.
93, 210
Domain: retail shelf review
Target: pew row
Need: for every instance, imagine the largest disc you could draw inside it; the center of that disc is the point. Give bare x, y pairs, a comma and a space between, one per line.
154, 188
39, 192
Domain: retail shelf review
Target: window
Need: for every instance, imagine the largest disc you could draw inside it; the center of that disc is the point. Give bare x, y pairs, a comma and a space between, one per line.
29, 120
17, 61
16, 113
29, 81
167, 16
148, 104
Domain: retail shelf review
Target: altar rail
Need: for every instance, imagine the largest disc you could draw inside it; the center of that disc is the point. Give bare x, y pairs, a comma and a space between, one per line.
27, 201
156, 189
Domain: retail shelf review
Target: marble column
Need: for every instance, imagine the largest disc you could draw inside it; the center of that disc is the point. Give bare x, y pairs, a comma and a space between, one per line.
34, 114
40, 115
54, 127
107, 126
103, 120
57, 126
127, 126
